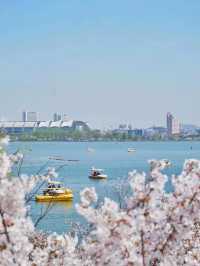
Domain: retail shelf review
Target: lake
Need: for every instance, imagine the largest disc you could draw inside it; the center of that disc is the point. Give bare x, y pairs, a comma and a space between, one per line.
111, 156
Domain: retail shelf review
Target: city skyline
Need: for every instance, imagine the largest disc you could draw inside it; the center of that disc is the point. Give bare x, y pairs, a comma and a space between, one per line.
130, 62
172, 123
30, 125
62, 116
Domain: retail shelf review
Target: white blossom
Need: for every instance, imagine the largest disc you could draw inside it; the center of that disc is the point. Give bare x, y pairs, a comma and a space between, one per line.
4, 141
88, 195
16, 157
5, 165
51, 172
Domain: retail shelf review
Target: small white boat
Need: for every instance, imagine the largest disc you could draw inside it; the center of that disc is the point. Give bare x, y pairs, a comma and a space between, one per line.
97, 174
90, 150
131, 150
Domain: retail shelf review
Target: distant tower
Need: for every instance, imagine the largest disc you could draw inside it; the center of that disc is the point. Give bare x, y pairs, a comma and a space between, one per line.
56, 117
173, 125
24, 116
169, 124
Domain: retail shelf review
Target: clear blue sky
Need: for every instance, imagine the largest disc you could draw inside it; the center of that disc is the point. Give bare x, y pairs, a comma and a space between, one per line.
103, 61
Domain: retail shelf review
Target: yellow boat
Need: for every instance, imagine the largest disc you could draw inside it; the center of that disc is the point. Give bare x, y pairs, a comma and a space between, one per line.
54, 192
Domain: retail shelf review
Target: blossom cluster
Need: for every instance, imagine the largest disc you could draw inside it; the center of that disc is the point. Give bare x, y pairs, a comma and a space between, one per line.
154, 228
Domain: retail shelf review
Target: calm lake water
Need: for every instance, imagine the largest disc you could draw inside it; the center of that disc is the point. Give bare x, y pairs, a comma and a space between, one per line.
111, 156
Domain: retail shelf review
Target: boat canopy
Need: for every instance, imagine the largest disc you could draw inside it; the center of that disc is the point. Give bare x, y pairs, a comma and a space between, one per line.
54, 182
57, 158
97, 170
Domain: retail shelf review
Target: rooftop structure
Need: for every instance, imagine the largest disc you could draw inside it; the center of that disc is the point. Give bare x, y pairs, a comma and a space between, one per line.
67, 124
44, 124
56, 124
13, 127
29, 124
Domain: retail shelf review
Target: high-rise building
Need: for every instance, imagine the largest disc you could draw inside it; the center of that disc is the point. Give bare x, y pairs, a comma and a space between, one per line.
24, 116
173, 125
56, 117
29, 116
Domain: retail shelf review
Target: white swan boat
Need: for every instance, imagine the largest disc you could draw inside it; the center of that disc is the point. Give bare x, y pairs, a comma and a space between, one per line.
97, 174
131, 150
90, 150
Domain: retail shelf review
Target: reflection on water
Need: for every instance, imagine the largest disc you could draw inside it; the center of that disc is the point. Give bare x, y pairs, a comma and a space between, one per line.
65, 205
57, 215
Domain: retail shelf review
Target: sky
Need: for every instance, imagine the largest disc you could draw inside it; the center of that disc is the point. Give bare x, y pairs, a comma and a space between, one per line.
104, 62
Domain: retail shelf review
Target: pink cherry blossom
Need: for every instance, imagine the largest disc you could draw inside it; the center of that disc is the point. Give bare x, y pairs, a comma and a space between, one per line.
155, 228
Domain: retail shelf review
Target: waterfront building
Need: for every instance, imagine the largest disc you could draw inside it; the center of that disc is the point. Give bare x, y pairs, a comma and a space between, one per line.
121, 129
155, 131
17, 127
80, 125
188, 129
20, 127
173, 125
135, 132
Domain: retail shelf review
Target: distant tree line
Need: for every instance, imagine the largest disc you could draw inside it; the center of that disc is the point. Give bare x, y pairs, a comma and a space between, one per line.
58, 134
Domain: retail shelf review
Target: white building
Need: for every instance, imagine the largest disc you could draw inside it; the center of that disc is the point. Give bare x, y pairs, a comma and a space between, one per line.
56, 124
44, 124
173, 125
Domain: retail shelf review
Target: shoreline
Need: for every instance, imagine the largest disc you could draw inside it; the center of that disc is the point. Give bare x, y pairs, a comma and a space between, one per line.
118, 141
